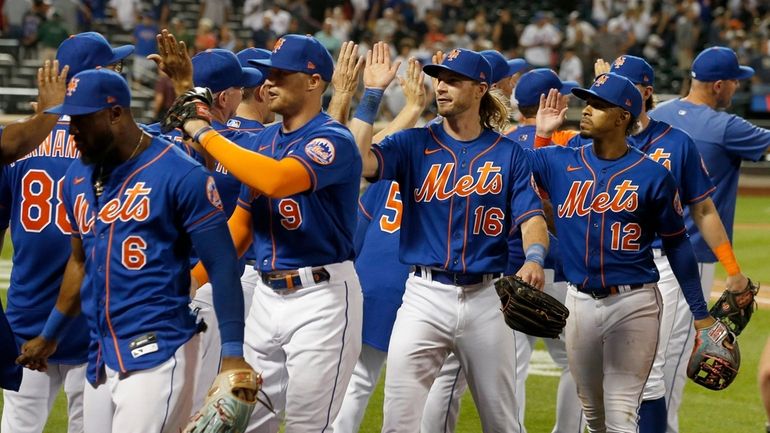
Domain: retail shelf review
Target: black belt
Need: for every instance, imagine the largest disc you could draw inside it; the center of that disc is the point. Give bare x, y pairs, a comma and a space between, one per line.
453, 278
603, 292
251, 262
290, 280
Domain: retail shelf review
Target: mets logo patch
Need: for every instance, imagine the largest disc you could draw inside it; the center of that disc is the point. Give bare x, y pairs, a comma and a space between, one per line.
678, 204
453, 54
320, 150
278, 45
601, 80
72, 86
232, 123
212, 193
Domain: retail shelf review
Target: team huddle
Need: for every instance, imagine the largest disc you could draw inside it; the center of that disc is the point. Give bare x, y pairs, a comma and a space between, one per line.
220, 271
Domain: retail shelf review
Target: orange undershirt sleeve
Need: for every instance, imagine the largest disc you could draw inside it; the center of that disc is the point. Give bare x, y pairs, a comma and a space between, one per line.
241, 232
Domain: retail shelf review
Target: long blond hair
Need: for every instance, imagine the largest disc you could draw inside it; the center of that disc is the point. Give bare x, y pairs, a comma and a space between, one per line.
494, 111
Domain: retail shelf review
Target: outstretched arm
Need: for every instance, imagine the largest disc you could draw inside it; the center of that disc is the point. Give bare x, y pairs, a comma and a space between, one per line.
550, 115
378, 73
413, 85
345, 82
20, 138
174, 60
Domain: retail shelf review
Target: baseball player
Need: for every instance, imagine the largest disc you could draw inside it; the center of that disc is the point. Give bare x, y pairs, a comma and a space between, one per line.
136, 204
253, 113
505, 73
610, 201
676, 151
16, 140
40, 232
723, 140
569, 416
467, 186
297, 207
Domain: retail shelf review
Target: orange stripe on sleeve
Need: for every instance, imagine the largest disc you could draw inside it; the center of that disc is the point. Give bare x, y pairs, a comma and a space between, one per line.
269, 176
241, 232
562, 137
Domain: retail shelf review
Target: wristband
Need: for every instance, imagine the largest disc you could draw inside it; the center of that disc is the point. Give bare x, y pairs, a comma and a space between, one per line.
542, 141
535, 253
369, 105
202, 131
232, 349
726, 256
56, 325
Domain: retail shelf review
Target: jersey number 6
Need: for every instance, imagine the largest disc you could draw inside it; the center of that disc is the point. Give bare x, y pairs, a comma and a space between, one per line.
37, 208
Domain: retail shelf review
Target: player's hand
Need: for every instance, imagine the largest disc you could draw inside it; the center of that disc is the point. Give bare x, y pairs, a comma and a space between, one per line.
51, 85
533, 274
35, 353
705, 323
601, 67
348, 69
174, 60
551, 113
436, 58
413, 85
379, 71
237, 363
737, 283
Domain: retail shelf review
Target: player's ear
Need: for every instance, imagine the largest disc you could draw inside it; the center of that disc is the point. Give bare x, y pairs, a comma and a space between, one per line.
315, 82
116, 112
483, 88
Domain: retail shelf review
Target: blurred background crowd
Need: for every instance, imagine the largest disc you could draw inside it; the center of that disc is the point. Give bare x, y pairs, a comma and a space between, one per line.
564, 35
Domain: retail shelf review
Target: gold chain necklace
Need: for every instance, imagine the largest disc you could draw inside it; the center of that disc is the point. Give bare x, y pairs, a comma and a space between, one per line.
99, 183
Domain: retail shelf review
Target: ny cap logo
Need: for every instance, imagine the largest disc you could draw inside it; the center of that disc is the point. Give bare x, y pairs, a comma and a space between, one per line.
453, 55
278, 45
620, 61
601, 80
72, 86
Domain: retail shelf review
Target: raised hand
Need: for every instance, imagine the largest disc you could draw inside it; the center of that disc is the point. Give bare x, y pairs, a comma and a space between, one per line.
413, 84
174, 60
551, 113
35, 353
348, 69
379, 70
51, 85
437, 58
601, 67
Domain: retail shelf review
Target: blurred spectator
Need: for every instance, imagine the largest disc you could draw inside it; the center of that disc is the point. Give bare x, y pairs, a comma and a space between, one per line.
578, 32
70, 11
143, 70
126, 12
359, 11
327, 38
479, 27
571, 68
217, 11
341, 26
227, 40
505, 35
600, 11
306, 24
160, 11
459, 38
687, 31
279, 19
205, 37
538, 40
182, 34
51, 33
435, 36
386, 25
607, 45
264, 36
13, 16
252, 14
31, 22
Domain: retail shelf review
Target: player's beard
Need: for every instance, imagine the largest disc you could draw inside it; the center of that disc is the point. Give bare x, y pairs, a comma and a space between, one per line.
100, 150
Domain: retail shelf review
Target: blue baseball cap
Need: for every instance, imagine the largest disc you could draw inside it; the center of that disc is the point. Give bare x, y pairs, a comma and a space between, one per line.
467, 63
253, 54
616, 90
93, 90
635, 69
298, 53
89, 50
719, 63
219, 70
502, 68
538, 82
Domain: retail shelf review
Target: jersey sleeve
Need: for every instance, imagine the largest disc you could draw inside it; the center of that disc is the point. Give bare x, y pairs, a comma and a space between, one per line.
198, 202
328, 158
745, 140
5, 199
696, 184
668, 207
538, 162
392, 156
67, 202
525, 203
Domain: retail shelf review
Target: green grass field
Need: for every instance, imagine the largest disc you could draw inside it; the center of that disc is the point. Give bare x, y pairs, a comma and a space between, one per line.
737, 409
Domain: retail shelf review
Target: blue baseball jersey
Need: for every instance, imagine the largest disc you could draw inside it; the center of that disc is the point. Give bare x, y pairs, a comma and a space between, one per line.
383, 276
31, 201
673, 148
243, 124
724, 140
316, 227
608, 212
524, 136
461, 198
136, 238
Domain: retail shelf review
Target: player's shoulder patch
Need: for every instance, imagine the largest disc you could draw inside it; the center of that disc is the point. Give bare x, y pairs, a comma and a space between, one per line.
212, 193
320, 150
678, 204
233, 123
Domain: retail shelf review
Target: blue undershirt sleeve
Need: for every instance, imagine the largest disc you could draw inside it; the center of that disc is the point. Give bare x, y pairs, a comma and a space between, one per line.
685, 266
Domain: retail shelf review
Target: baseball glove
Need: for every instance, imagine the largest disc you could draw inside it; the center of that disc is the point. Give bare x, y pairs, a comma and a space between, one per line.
715, 358
192, 104
734, 309
530, 310
224, 411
